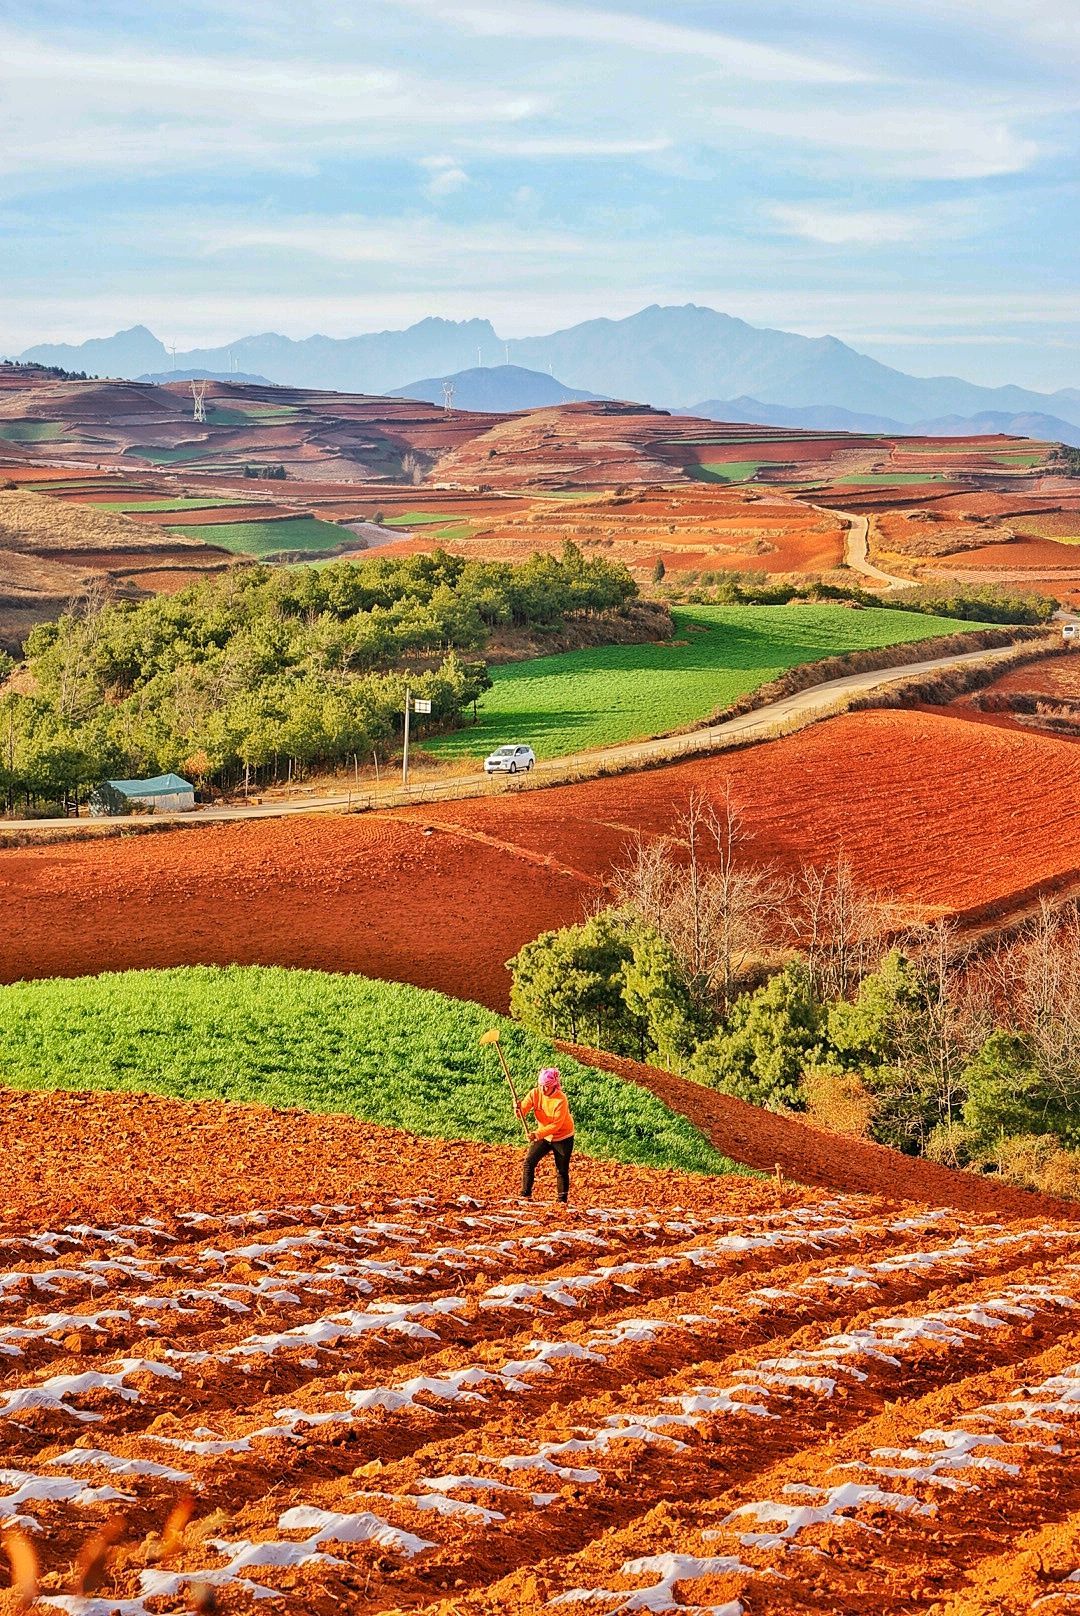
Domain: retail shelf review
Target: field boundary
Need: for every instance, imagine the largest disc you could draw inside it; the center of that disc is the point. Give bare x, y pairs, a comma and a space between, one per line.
768, 1141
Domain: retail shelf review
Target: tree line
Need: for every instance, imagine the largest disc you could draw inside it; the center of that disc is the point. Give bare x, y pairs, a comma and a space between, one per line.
266, 673
806, 994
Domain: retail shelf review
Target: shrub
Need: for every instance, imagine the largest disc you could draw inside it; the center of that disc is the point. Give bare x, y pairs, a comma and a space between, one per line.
838, 1101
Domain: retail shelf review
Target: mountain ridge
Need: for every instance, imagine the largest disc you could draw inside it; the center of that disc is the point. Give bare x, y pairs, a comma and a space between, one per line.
662, 355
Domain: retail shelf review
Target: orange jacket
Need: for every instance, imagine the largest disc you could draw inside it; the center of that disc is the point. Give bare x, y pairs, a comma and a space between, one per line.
552, 1113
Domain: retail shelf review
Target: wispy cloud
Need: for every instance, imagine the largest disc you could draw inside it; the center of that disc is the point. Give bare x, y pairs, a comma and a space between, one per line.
912, 138
623, 30
871, 227
445, 176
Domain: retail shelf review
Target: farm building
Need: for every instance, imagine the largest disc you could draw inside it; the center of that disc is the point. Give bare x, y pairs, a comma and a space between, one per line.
167, 793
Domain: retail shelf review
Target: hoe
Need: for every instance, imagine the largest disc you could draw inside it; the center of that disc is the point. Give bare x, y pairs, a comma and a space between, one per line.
492, 1037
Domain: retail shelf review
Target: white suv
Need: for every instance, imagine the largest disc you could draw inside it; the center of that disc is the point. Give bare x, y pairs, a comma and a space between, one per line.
510, 760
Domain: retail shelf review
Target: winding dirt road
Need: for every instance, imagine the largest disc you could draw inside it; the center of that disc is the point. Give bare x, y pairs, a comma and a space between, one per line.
777, 718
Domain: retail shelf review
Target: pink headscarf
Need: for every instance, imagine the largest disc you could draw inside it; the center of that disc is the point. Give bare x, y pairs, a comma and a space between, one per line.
549, 1079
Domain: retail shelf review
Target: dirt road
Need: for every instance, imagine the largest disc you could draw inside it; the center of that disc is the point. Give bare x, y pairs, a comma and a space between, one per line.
764, 723
857, 551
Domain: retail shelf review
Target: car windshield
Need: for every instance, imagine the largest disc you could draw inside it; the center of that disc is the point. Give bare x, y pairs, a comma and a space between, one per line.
506, 751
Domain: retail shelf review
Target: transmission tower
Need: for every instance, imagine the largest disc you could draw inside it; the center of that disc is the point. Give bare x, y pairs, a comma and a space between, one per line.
448, 397
198, 393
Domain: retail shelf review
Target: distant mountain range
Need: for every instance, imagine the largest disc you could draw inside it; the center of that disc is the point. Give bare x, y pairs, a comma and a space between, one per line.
164, 376
661, 356
826, 418
498, 389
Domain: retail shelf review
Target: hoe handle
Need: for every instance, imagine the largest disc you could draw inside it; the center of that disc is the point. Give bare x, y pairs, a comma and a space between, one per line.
513, 1091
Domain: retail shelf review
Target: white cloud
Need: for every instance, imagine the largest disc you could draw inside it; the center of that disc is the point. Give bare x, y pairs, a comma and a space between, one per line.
133, 111
537, 19
914, 139
446, 176
870, 227
570, 145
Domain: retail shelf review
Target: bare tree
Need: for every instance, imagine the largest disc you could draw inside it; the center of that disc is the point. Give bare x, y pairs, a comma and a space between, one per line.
412, 468
1038, 977
715, 909
842, 929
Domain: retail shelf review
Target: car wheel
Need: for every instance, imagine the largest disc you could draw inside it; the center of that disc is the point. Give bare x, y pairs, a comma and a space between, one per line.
513, 768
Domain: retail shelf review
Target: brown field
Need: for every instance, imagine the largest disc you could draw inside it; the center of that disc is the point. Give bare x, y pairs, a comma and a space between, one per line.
1051, 676
414, 896
348, 1383
51, 551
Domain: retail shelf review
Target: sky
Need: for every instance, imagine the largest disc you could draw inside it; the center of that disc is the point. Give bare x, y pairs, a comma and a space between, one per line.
902, 174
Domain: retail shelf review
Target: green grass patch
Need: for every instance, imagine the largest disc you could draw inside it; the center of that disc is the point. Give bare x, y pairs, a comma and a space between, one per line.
418, 519
376, 1050
579, 700
727, 471
174, 456
1023, 458
269, 412
31, 431
183, 503
70, 485
274, 537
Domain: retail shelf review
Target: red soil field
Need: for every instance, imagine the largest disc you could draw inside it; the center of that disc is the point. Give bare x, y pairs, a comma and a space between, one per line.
1035, 556
939, 813
785, 451
1049, 676
383, 1385
690, 526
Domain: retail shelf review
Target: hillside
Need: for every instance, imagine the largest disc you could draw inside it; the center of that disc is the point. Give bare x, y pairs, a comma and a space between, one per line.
52, 552
498, 388
662, 356
826, 417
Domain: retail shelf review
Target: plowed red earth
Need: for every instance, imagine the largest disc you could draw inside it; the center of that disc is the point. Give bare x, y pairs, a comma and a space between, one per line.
1050, 676
385, 1386
944, 815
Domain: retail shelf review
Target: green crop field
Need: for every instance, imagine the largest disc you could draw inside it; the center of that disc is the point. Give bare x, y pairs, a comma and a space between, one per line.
177, 455
579, 700
274, 537
377, 1050
420, 519
182, 503
31, 431
1022, 458
727, 471
268, 412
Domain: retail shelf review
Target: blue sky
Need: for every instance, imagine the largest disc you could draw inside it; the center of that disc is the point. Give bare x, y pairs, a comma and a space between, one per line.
900, 173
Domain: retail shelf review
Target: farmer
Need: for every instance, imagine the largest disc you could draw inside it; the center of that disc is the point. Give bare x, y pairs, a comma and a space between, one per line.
552, 1132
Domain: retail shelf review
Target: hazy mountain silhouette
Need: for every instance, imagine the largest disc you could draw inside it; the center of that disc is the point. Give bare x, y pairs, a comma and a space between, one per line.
502, 387
660, 356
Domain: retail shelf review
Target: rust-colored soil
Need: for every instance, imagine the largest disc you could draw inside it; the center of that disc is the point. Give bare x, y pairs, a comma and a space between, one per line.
1049, 676
386, 1386
945, 815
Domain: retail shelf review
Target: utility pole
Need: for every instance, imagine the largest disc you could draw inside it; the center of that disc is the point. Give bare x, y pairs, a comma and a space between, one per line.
405, 753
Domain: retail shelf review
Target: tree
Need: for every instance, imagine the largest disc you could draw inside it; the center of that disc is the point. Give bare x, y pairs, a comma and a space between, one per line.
712, 906
659, 571
839, 926
770, 1037
611, 981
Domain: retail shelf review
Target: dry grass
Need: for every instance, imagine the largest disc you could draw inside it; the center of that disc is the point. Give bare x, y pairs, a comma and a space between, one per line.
39, 523
1039, 1162
838, 1101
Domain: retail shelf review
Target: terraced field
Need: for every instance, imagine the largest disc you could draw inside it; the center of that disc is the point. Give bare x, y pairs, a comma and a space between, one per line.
767, 1401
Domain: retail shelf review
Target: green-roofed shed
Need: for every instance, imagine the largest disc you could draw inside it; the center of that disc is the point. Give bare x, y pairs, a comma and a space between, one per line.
167, 793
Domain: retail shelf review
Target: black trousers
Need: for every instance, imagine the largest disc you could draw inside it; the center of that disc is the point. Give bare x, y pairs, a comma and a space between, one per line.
562, 1149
